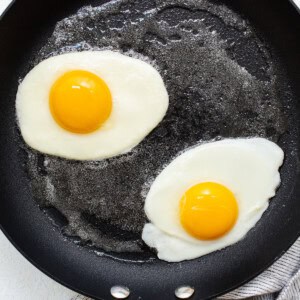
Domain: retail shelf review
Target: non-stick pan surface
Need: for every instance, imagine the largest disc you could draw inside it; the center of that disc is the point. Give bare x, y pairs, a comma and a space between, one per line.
24, 29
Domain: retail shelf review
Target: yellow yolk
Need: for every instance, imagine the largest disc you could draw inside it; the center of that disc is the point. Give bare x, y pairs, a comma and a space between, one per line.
208, 210
80, 101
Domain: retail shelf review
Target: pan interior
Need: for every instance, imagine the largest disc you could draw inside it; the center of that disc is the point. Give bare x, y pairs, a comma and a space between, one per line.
222, 79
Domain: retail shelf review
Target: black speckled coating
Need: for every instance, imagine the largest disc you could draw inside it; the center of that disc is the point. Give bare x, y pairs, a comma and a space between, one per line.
226, 77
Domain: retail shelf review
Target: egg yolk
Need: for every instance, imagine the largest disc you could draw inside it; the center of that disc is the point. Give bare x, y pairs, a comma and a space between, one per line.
80, 101
208, 210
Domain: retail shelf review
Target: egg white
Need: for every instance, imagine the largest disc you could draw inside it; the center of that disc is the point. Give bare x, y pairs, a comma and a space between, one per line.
140, 101
248, 167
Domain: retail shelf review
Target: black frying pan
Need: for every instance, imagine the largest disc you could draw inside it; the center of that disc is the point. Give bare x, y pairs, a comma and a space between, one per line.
24, 29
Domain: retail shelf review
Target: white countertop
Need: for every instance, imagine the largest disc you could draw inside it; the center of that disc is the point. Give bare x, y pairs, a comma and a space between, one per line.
20, 280
297, 2
3, 5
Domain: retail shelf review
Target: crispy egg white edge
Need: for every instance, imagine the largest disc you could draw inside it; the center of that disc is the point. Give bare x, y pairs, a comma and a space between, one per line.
165, 232
140, 101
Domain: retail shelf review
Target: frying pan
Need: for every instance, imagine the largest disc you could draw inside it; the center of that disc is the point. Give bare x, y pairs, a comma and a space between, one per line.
24, 29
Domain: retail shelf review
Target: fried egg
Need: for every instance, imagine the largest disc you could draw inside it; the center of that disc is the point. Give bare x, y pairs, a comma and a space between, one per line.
210, 196
90, 105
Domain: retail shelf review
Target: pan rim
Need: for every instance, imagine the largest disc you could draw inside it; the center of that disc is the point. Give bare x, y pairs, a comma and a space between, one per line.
6, 233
